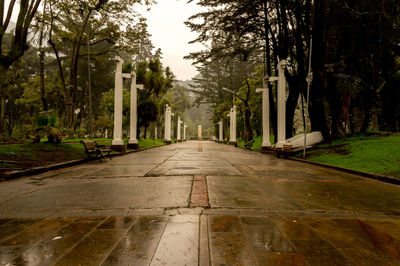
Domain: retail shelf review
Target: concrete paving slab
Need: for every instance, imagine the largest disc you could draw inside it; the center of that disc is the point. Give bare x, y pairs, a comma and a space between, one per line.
194, 170
94, 249
50, 249
137, 160
179, 242
122, 171
137, 247
119, 193
263, 211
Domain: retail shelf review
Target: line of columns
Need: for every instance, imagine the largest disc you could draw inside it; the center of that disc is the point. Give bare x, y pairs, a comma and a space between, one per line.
118, 143
281, 106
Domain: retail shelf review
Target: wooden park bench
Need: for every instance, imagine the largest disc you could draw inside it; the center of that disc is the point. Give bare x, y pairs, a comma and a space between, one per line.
95, 151
249, 144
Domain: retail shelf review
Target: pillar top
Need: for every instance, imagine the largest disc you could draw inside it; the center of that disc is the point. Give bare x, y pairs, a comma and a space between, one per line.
118, 59
282, 64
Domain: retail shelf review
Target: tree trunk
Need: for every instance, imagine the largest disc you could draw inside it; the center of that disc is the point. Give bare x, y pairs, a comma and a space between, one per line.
247, 116
272, 107
41, 61
319, 105
3, 70
291, 105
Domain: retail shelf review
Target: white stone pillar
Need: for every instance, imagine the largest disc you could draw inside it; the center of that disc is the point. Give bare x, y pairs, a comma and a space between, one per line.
266, 144
281, 138
233, 139
199, 133
184, 132
118, 143
167, 129
221, 133
155, 132
281, 104
178, 135
166, 122
230, 125
133, 142
170, 122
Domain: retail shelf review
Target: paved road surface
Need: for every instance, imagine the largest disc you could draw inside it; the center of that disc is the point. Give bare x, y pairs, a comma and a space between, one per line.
198, 203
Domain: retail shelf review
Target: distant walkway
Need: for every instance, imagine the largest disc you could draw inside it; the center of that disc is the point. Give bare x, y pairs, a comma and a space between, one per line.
197, 203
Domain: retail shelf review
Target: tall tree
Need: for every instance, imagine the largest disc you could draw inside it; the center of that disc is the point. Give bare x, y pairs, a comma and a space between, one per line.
104, 21
15, 49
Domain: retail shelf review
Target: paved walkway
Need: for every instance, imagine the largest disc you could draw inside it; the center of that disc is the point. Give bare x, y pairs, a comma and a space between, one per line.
198, 203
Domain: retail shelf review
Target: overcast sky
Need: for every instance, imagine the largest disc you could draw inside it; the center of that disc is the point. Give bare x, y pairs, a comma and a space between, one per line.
165, 21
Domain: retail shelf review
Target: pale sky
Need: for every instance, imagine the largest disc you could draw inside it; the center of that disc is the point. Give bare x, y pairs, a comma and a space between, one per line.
165, 24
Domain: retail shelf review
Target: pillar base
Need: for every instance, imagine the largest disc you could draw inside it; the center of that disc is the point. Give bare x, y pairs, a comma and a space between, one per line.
167, 142
233, 143
119, 148
133, 146
267, 149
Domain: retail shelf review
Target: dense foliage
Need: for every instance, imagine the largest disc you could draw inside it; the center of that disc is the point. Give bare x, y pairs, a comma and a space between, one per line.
355, 60
72, 45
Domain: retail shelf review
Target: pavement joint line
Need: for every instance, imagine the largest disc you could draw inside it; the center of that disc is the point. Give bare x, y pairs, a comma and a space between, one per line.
159, 164
226, 160
77, 243
117, 242
190, 193
25, 228
204, 257
31, 245
159, 240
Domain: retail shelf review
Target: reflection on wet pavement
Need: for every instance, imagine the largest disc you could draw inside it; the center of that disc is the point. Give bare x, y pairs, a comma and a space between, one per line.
174, 240
181, 205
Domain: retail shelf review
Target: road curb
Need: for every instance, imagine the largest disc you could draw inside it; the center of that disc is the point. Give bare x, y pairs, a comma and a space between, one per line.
383, 178
42, 169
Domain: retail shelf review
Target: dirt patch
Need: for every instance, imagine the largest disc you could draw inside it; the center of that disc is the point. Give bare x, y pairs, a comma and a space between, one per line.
341, 149
36, 156
379, 134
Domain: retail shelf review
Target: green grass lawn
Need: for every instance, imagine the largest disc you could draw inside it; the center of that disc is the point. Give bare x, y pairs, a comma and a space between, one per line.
25, 156
375, 153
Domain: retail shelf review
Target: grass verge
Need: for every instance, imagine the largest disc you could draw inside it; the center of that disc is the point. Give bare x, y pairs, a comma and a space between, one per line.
25, 156
377, 153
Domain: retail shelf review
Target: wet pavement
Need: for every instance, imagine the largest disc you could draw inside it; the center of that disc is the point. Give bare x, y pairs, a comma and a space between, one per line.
198, 203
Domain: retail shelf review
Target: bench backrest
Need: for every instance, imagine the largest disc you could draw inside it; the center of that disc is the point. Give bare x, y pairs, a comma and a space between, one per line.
89, 144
